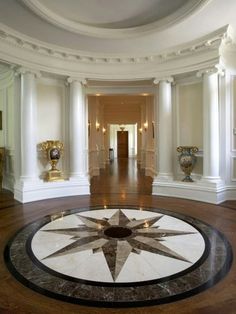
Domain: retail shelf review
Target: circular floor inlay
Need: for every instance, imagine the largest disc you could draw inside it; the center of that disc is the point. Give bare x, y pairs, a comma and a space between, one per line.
97, 256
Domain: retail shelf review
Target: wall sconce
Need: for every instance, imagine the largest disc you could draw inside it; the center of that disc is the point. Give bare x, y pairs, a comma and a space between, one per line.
145, 126
140, 130
97, 126
104, 130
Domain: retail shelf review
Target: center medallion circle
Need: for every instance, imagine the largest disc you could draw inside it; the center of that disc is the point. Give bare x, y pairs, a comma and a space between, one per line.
118, 232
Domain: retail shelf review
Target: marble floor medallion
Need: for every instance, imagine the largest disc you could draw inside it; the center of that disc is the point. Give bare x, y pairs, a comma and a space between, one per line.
118, 256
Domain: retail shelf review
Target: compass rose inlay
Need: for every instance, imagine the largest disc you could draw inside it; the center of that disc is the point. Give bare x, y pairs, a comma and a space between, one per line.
118, 256
118, 238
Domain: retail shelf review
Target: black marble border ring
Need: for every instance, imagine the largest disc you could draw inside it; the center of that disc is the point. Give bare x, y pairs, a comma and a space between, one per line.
207, 271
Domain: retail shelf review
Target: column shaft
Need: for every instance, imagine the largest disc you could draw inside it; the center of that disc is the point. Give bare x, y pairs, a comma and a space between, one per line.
164, 136
211, 127
78, 133
28, 127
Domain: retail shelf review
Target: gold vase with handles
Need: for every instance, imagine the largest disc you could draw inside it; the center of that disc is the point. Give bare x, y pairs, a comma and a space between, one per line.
53, 150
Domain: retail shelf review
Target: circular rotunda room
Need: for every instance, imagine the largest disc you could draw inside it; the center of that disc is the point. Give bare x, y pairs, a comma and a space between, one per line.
117, 156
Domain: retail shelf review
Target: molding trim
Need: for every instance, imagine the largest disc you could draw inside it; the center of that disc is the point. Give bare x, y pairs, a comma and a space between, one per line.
23, 50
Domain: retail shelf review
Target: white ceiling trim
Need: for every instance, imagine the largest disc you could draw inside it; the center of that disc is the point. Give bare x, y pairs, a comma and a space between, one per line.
208, 43
191, 7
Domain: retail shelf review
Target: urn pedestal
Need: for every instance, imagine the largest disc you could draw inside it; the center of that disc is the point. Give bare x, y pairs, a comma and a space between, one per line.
187, 160
53, 150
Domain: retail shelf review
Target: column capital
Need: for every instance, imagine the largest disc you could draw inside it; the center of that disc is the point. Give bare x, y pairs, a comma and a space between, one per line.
216, 69
24, 70
72, 79
168, 79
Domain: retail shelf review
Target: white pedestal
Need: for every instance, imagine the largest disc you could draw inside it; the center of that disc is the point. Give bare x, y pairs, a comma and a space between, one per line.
210, 192
30, 191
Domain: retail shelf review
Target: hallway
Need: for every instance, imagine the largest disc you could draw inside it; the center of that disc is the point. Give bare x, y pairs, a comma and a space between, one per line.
122, 176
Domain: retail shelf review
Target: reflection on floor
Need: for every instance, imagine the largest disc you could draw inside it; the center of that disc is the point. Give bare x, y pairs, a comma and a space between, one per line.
122, 176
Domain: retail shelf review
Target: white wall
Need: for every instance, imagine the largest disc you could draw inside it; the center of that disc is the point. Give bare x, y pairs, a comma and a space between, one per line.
234, 115
51, 119
8, 121
233, 133
189, 120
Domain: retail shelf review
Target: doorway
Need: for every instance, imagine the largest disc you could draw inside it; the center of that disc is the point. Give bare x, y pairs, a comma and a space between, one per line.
132, 138
122, 144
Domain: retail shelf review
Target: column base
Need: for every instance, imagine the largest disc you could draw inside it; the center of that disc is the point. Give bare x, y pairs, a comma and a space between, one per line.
202, 190
35, 190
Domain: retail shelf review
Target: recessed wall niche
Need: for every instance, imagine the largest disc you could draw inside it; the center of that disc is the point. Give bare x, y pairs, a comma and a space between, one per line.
190, 113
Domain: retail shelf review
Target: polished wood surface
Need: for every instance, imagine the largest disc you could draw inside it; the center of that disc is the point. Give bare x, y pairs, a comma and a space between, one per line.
122, 176
119, 183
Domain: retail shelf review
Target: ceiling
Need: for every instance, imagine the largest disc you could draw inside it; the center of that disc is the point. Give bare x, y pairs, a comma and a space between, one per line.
116, 27
111, 13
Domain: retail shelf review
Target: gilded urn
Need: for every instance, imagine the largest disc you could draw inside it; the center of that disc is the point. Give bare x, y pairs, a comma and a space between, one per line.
187, 160
53, 150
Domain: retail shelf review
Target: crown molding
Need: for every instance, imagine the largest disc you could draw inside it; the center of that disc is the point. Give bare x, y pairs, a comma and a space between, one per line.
191, 7
22, 50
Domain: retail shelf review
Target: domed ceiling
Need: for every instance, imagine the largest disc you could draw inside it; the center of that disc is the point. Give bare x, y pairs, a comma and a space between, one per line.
125, 38
109, 18
116, 27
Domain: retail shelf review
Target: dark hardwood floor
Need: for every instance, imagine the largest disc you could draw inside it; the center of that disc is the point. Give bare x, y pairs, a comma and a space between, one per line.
119, 183
123, 176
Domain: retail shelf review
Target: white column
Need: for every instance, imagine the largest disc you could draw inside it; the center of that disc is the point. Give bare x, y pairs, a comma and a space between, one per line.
29, 170
211, 131
78, 130
163, 138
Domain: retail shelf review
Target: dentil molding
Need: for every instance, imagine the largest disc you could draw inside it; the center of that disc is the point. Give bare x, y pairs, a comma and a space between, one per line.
23, 50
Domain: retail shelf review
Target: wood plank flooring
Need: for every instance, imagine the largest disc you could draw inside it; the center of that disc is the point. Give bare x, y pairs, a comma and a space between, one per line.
120, 183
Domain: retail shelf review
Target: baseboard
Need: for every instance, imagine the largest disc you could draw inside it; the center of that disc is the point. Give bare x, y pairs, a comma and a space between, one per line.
39, 190
199, 191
